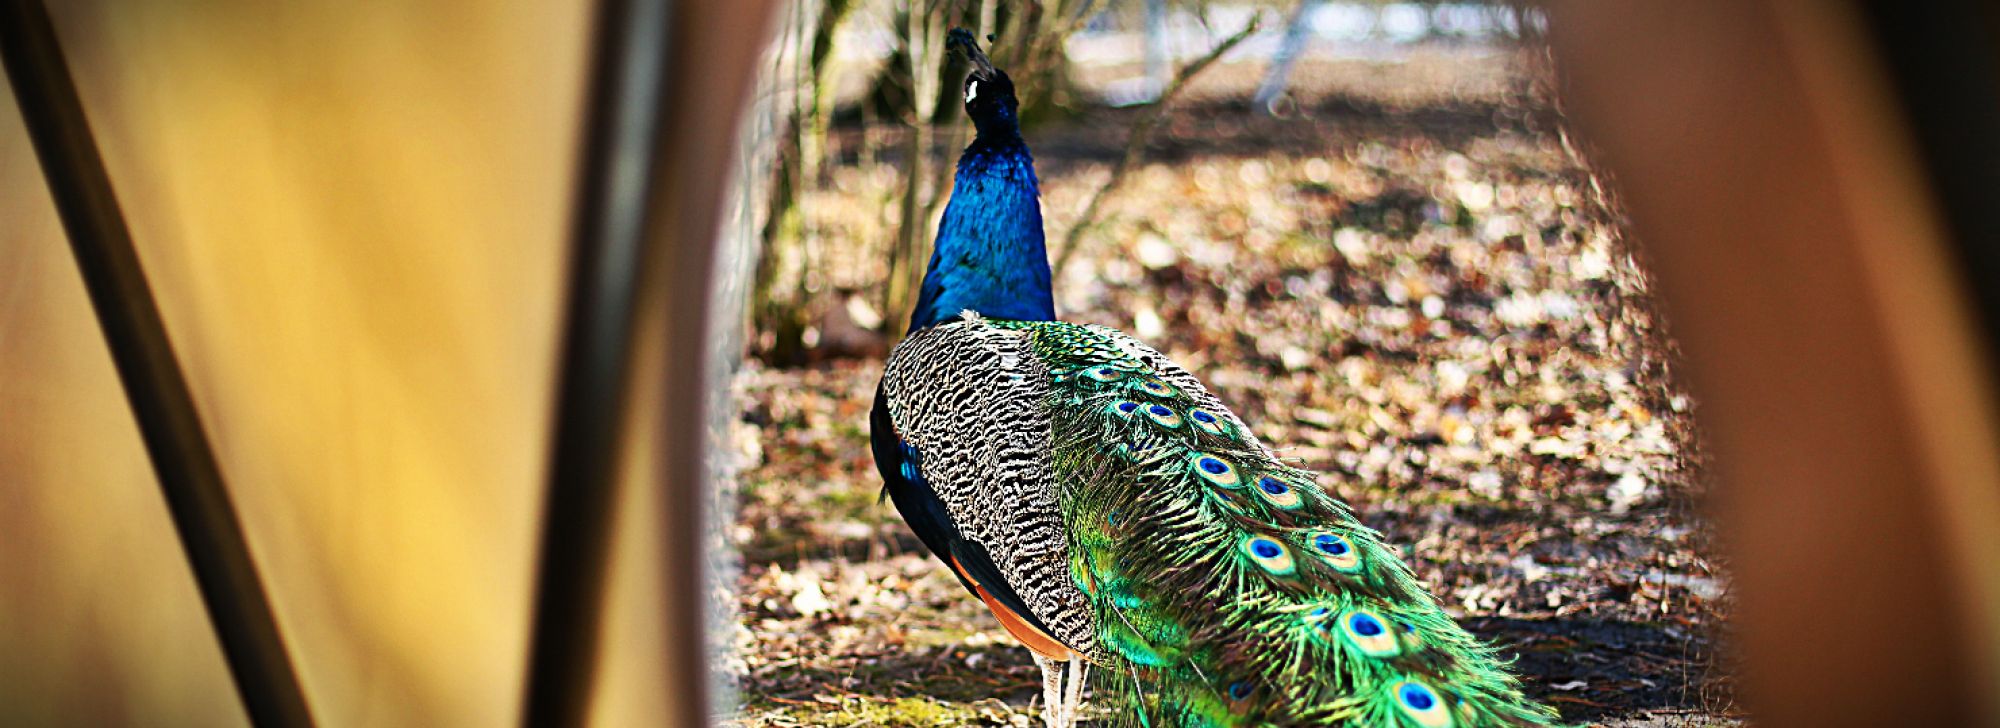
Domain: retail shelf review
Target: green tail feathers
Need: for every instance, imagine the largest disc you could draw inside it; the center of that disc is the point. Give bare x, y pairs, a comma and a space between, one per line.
1229, 588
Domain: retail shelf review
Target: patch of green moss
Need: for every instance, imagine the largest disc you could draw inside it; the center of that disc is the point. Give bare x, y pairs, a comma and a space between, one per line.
854, 710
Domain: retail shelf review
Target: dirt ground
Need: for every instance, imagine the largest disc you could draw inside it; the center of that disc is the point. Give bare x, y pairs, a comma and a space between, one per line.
1407, 283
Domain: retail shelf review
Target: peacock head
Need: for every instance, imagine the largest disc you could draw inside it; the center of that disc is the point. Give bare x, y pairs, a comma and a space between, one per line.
989, 94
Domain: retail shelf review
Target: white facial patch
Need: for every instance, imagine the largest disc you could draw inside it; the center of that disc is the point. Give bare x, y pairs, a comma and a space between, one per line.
971, 91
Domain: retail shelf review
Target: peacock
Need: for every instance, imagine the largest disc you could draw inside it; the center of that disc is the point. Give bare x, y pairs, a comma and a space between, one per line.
1113, 514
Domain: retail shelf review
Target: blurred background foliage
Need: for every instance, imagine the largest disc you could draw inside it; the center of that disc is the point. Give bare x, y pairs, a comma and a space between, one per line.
867, 83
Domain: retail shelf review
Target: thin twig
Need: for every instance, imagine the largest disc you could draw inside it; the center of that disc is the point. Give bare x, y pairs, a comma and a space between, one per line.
1135, 145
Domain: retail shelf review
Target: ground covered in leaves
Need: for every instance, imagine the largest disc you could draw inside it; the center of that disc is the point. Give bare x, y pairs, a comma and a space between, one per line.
1407, 283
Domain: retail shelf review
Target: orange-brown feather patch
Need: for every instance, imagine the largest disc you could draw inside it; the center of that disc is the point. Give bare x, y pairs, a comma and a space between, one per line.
1036, 640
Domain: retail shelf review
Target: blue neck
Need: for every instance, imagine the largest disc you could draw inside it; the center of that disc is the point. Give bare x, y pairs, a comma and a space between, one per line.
990, 256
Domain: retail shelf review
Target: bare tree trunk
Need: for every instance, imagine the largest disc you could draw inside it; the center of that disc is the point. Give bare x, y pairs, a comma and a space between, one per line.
1032, 41
774, 309
922, 38
781, 301
1297, 34
950, 131
899, 296
1158, 66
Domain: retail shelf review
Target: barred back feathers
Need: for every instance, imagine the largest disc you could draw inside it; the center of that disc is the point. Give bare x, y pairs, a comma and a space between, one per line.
1143, 523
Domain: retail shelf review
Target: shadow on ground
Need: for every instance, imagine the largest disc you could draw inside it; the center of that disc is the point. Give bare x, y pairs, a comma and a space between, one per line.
1602, 670
1596, 672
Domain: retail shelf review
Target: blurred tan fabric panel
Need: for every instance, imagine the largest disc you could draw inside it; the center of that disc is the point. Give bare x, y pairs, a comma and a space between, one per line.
354, 216
99, 619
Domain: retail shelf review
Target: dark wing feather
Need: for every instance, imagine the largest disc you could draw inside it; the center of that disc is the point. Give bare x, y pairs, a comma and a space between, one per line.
925, 513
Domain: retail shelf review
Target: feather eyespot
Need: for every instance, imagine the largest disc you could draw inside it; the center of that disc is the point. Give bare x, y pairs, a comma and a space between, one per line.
1279, 493
1164, 415
1421, 704
1269, 555
1368, 634
1417, 698
1365, 625
1154, 387
1118, 360
1412, 642
1216, 470
1123, 407
1104, 373
1339, 551
1207, 422
1240, 691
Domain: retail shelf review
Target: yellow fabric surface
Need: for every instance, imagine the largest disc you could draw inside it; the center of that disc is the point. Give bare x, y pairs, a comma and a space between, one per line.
354, 217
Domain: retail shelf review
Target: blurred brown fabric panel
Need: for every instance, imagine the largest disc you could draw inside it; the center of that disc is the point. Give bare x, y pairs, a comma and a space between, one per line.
1844, 388
355, 217
667, 563
99, 620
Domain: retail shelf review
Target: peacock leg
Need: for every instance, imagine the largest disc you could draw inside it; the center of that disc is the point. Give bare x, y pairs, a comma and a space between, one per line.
1051, 691
1079, 672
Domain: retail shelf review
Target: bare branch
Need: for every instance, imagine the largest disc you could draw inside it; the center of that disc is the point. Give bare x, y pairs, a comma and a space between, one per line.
1135, 145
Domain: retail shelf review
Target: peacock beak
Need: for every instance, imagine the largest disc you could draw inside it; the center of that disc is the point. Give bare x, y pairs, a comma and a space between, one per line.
963, 41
